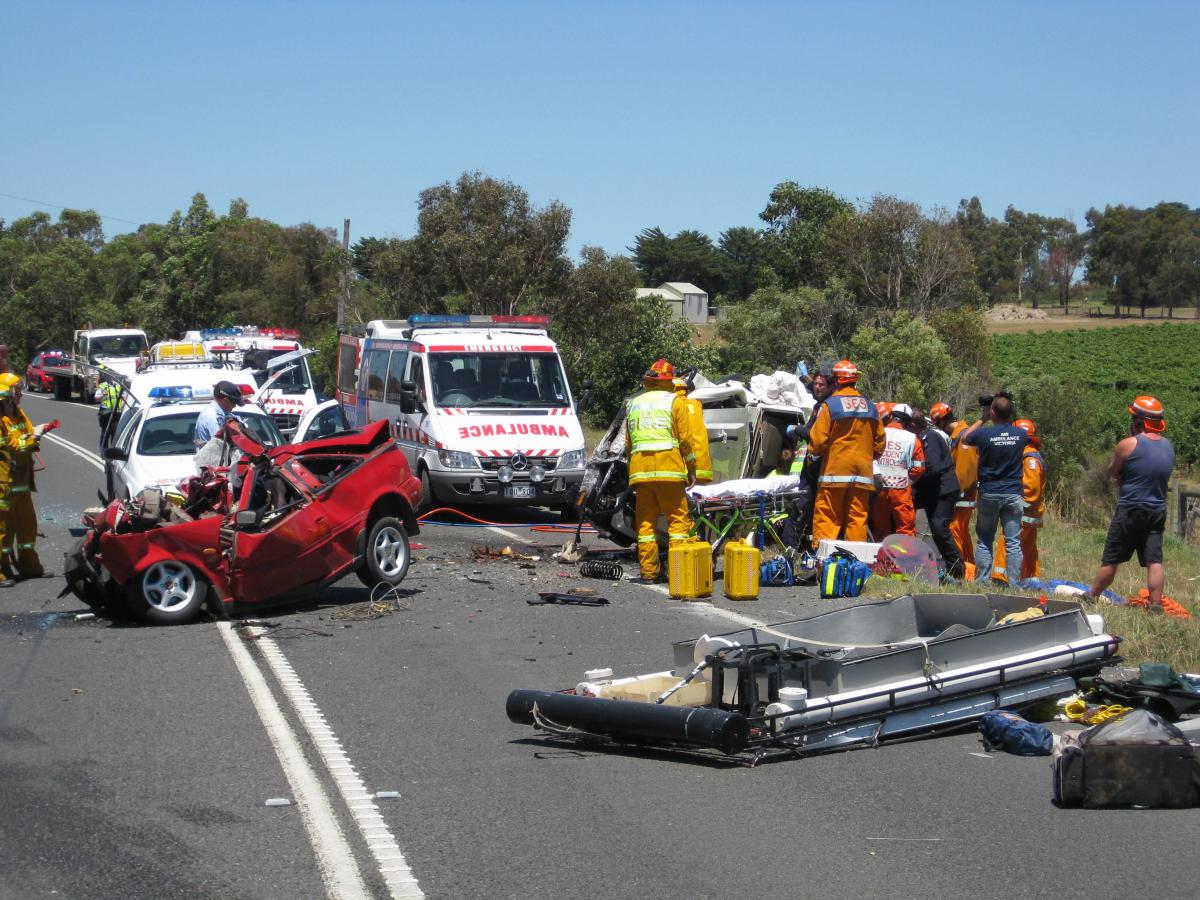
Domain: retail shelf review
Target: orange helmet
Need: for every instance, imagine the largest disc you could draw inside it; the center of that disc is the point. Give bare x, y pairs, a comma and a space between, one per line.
885, 408
940, 410
661, 370
1150, 411
845, 372
1027, 425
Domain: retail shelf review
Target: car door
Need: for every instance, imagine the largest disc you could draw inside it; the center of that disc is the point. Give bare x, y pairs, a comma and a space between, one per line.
117, 471
287, 549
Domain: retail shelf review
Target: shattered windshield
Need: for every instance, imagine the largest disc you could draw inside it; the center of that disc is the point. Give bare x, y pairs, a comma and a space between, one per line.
496, 380
293, 381
116, 345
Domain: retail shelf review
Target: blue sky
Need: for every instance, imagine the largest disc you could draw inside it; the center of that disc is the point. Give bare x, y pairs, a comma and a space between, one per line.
680, 115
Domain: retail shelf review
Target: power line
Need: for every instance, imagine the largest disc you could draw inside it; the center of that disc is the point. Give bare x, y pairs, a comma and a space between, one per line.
59, 207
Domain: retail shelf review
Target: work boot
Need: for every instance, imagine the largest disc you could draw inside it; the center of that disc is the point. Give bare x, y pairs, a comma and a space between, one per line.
642, 579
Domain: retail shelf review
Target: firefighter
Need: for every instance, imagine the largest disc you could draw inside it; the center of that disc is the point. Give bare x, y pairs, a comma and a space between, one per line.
1033, 486
848, 437
697, 433
900, 466
21, 439
6, 570
656, 434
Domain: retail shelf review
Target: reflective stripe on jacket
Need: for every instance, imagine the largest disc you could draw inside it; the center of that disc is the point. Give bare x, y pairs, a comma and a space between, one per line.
22, 442
656, 433
848, 436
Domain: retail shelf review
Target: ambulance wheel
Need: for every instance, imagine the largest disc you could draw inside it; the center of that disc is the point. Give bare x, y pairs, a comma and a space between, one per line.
387, 553
168, 593
426, 501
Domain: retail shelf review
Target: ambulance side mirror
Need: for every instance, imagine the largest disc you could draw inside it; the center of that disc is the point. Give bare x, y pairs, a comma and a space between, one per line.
408, 397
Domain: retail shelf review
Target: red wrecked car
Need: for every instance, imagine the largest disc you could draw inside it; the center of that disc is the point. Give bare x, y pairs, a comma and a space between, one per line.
301, 517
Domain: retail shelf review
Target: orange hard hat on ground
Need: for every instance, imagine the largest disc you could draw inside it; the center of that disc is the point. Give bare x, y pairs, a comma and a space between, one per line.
940, 410
1150, 411
845, 372
661, 370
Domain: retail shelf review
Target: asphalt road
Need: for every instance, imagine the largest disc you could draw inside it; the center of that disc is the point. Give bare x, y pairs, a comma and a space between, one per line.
135, 761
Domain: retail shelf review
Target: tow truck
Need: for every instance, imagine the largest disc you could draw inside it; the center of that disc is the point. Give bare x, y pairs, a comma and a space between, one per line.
115, 349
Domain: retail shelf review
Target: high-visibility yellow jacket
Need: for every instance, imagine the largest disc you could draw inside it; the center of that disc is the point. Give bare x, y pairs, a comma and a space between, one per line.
22, 443
697, 436
848, 437
966, 464
1033, 484
656, 435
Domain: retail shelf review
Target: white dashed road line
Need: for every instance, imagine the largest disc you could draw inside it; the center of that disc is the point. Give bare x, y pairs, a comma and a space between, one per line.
335, 859
395, 871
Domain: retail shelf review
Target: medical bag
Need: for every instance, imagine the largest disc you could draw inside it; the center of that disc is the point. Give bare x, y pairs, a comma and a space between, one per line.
843, 575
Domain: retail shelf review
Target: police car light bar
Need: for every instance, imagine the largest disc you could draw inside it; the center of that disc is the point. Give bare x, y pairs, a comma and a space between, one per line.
174, 392
426, 319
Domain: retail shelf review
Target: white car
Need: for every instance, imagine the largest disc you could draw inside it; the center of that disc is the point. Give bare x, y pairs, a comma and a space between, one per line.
154, 444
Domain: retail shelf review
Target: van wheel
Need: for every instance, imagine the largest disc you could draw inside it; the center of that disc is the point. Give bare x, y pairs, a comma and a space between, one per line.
168, 593
387, 553
426, 501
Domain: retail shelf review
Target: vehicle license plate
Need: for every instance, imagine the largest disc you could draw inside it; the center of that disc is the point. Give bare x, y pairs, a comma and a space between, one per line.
519, 491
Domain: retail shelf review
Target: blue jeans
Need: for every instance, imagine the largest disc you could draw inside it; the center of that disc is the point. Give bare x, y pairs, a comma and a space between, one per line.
1008, 509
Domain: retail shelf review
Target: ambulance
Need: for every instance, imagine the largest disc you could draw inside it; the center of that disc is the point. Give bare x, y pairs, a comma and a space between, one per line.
480, 406
261, 350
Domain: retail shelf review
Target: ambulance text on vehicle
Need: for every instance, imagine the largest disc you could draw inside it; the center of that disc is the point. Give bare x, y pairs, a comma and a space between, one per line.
480, 405
252, 348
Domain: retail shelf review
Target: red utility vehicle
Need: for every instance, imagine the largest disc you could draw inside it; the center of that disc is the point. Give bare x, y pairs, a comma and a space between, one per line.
36, 376
302, 516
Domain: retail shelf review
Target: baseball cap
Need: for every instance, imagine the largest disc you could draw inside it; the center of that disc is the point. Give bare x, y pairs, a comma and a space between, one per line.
229, 391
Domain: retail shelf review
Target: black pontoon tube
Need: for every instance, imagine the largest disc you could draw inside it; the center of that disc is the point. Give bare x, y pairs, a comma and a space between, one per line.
716, 729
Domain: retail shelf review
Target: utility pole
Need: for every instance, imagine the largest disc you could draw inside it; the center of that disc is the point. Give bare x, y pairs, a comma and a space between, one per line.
344, 278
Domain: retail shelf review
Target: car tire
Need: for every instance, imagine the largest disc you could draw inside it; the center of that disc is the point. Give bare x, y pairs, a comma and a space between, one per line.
169, 592
386, 554
62, 389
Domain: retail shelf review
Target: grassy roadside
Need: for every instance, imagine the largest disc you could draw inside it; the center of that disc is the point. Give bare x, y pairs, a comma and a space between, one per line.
1074, 553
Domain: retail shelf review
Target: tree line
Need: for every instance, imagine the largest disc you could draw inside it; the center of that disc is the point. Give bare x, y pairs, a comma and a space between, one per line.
899, 288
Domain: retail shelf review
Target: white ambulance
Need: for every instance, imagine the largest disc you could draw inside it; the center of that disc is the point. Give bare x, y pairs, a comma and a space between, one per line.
480, 406
249, 347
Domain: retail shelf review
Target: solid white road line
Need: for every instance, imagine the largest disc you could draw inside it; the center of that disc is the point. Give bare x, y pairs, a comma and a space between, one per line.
401, 881
335, 859
511, 535
88, 455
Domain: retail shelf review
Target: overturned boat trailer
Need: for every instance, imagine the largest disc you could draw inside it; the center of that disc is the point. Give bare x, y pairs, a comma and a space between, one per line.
853, 677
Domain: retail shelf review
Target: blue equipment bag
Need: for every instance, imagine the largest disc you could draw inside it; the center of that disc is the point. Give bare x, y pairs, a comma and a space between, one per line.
776, 572
843, 575
1005, 730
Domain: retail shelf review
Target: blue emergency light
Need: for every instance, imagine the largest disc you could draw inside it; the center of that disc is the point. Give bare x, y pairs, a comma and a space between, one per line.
209, 334
175, 392
426, 319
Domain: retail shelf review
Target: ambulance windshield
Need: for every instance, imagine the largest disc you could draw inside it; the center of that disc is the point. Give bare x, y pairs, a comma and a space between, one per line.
498, 380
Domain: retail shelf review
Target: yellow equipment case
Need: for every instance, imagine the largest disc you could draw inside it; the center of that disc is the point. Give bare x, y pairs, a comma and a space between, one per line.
690, 570
741, 570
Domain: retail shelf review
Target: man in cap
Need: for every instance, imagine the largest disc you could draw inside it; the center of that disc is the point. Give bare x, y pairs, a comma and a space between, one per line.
1033, 485
226, 396
1142, 464
657, 439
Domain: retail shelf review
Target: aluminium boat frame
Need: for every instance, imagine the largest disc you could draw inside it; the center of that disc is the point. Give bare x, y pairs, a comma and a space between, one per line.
864, 675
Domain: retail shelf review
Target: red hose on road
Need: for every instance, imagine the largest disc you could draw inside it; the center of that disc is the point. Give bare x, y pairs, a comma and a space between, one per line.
484, 523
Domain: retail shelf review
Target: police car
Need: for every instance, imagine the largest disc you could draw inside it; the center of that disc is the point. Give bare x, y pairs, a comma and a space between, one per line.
153, 444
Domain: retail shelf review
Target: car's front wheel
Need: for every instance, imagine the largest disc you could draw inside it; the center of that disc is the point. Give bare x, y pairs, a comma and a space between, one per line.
387, 553
168, 593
